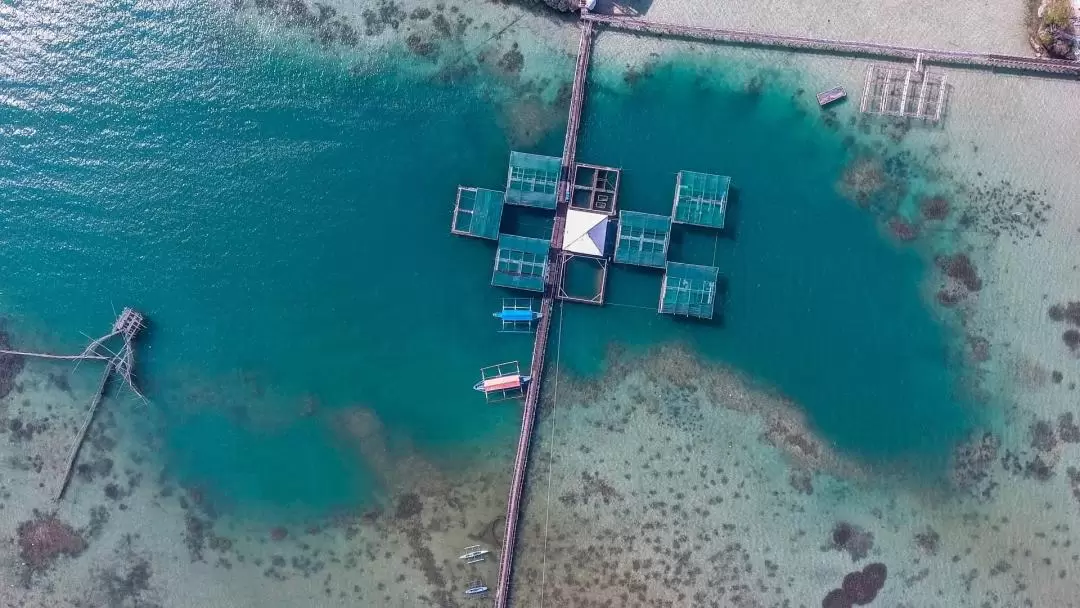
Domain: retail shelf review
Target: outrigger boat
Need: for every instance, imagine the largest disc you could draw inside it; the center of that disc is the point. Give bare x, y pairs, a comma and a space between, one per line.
511, 315
517, 315
474, 554
476, 588
500, 384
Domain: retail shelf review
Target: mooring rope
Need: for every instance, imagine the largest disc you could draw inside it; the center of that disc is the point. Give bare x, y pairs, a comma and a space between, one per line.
649, 308
551, 455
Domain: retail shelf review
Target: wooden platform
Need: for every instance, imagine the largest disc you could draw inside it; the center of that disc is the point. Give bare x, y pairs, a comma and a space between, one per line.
824, 98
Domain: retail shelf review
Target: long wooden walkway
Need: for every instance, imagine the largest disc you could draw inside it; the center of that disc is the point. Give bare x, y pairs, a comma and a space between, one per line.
552, 282
827, 45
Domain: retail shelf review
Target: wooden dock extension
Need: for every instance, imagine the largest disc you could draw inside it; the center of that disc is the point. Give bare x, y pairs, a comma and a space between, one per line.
553, 281
1030, 65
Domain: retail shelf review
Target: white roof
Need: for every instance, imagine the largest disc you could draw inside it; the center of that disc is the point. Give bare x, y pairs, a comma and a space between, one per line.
585, 232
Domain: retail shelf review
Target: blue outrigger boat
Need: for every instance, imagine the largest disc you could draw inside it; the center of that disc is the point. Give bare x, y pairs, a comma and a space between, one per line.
517, 316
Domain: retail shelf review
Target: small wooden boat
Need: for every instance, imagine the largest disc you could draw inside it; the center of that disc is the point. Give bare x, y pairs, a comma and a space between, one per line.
474, 554
476, 588
824, 98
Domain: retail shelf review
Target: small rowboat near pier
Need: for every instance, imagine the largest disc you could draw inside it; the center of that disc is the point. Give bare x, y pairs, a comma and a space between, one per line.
824, 98
502, 381
476, 588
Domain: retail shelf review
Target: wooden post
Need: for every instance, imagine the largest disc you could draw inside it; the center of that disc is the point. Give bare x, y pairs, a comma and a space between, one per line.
81, 437
904, 94
922, 97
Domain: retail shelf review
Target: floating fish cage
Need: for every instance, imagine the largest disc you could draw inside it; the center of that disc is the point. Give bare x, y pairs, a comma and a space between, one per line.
689, 290
532, 179
477, 212
700, 199
521, 263
584, 279
642, 239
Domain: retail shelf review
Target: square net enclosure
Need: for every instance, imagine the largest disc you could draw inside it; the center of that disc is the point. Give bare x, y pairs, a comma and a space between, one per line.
596, 188
532, 179
521, 263
900, 91
477, 212
700, 199
642, 239
689, 290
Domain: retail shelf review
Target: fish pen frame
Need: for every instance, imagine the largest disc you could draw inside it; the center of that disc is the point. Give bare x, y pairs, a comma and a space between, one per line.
642, 239
517, 326
701, 199
532, 180
689, 290
477, 213
597, 298
599, 194
521, 263
509, 368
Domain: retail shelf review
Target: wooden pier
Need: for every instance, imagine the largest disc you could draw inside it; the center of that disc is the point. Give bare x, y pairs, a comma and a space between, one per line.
120, 361
990, 61
553, 280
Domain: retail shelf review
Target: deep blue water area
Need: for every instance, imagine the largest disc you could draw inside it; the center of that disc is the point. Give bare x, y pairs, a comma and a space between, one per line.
283, 220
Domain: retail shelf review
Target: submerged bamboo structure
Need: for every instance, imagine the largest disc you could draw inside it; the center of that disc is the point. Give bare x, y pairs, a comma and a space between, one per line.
121, 362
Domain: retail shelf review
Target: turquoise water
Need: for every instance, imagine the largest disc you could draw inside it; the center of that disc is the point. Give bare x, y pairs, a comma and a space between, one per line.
819, 303
283, 221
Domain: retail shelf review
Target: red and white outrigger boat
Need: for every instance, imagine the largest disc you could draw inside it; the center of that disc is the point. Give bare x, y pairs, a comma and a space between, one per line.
502, 381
